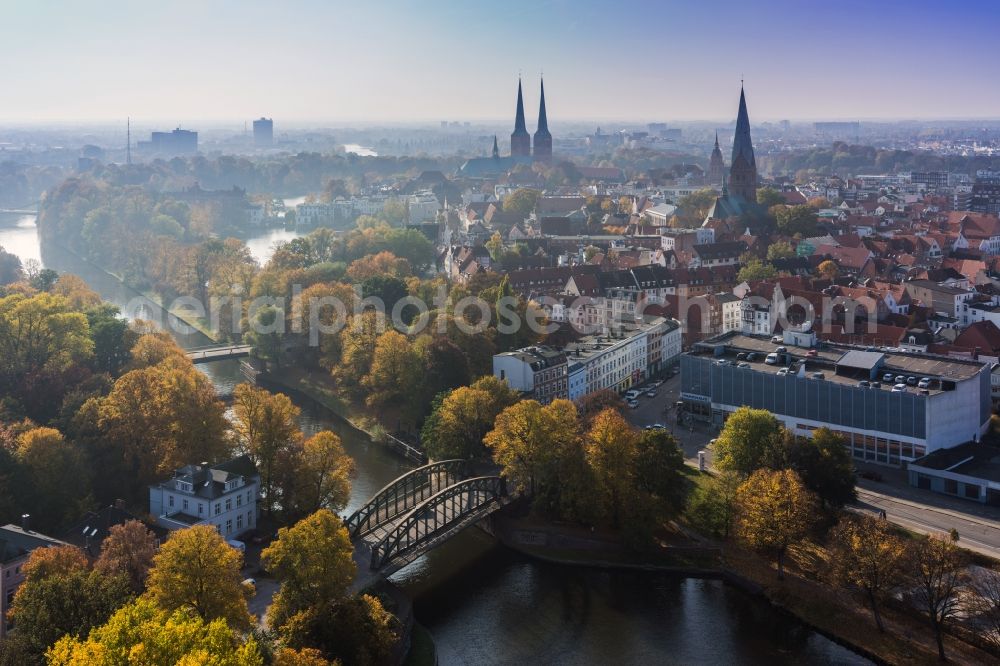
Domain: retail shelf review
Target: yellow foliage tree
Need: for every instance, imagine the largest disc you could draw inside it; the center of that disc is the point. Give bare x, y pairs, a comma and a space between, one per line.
775, 510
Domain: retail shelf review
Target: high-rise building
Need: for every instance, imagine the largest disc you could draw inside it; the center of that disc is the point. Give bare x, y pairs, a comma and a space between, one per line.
177, 142
263, 132
520, 140
743, 167
543, 139
716, 164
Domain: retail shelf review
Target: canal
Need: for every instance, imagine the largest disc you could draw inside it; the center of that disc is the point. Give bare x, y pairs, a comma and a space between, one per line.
488, 605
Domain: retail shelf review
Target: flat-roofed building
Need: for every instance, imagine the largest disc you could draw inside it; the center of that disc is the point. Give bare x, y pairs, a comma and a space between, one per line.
539, 371
832, 387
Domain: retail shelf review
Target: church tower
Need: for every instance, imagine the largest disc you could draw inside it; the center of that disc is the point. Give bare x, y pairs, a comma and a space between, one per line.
716, 165
520, 140
496, 148
743, 168
543, 139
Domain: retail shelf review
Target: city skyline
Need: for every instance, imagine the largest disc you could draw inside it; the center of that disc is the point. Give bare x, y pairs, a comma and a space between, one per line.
232, 61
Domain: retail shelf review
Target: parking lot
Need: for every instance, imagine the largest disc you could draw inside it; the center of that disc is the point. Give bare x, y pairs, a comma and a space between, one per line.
692, 438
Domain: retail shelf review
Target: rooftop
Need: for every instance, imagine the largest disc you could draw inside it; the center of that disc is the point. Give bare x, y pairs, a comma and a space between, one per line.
975, 459
16, 542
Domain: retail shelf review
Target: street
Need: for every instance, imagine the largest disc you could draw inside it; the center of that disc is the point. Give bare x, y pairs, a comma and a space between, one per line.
692, 438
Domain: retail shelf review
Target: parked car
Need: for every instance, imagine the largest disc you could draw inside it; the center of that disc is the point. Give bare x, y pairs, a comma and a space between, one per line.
812, 353
900, 379
651, 393
924, 383
781, 350
899, 388
657, 384
783, 372
631, 394
771, 359
655, 426
876, 385
817, 375
887, 378
752, 357
741, 356
632, 404
742, 364
777, 339
864, 384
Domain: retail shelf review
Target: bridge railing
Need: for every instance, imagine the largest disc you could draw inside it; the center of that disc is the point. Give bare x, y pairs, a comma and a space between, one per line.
403, 494
438, 517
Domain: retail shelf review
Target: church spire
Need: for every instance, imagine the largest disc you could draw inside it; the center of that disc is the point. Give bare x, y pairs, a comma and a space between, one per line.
496, 148
741, 142
543, 139
717, 139
743, 168
520, 140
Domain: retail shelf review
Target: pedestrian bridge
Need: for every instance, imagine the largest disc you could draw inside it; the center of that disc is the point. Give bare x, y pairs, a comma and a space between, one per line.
417, 512
218, 353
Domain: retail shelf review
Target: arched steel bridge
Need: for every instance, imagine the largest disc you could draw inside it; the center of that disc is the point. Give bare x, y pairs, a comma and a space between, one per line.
418, 511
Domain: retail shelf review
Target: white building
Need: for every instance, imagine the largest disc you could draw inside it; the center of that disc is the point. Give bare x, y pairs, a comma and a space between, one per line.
223, 495
538, 371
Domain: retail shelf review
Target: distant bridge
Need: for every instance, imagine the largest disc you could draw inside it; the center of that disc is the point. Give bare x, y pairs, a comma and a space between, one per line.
417, 512
218, 353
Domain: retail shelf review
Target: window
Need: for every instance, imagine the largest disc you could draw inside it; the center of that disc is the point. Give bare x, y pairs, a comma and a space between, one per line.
201, 509
951, 486
239, 500
218, 508
249, 517
971, 491
170, 501
229, 526
239, 521
229, 504
184, 504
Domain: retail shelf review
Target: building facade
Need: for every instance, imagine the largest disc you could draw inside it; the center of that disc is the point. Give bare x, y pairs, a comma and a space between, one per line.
540, 372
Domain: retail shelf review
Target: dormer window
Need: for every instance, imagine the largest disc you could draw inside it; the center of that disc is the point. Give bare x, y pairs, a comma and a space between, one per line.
184, 486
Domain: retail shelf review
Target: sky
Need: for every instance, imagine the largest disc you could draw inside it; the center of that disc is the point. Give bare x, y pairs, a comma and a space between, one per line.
328, 61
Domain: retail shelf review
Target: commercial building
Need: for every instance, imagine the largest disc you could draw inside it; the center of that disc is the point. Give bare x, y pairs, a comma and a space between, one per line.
223, 495
16, 545
540, 372
263, 132
831, 386
177, 142
970, 471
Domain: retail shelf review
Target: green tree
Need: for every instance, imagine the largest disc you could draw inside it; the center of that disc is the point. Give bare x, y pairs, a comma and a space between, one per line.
521, 201
825, 465
57, 476
796, 220
495, 246
768, 196
750, 439
775, 510
197, 570
712, 507
780, 250
755, 270
693, 208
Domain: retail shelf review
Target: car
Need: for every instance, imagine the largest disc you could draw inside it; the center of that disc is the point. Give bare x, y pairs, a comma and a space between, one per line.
783, 372
899, 388
771, 359
924, 383
776, 339
741, 356
912, 381
817, 375
780, 350
751, 357
812, 353
631, 395
632, 404
887, 378
742, 364
900, 379
657, 384
864, 384
651, 393
655, 426
250, 581
876, 385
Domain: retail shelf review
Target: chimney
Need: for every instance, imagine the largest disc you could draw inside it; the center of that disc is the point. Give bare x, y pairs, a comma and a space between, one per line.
26, 522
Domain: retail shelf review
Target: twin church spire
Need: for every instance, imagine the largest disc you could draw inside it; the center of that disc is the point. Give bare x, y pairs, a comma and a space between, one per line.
520, 140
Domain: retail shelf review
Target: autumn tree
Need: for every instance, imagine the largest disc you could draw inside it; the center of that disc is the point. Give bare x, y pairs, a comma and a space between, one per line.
938, 571
495, 246
612, 447
521, 201
712, 507
780, 250
868, 556
775, 510
40, 332
142, 634
56, 474
794, 220
382, 263
357, 348
356, 630
395, 373
313, 559
755, 270
197, 570
828, 269
267, 429
128, 550
62, 596
455, 429
321, 473
768, 196
748, 440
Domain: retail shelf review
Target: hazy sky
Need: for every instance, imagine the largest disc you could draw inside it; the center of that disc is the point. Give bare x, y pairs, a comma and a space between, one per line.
373, 60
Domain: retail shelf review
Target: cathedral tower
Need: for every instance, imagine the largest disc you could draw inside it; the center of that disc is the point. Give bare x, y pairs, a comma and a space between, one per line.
716, 165
520, 140
543, 139
743, 168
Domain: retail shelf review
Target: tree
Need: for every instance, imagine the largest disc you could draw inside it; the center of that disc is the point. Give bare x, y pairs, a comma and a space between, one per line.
658, 469
305, 657
10, 267
796, 220
314, 560
768, 196
266, 426
748, 441
825, 465
61, 596
322, 475
775, 511
519, 443
712, 507
612, 448
40, 332
457, 427
828, 269
938, 570
868, 555
197, 570
381, 264
693, 208
521, 201
755, 270
780, 250
355, 630
57, 476
495, 246
141, 634
984, 602
128, 550
395, 373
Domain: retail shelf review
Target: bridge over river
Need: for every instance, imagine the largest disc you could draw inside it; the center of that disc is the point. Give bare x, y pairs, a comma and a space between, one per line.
418, 511
217, 353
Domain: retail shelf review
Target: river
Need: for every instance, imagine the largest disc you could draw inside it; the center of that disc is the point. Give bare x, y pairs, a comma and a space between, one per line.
488, 605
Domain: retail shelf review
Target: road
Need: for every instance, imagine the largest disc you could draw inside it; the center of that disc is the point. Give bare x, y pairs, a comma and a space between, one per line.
914, 509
